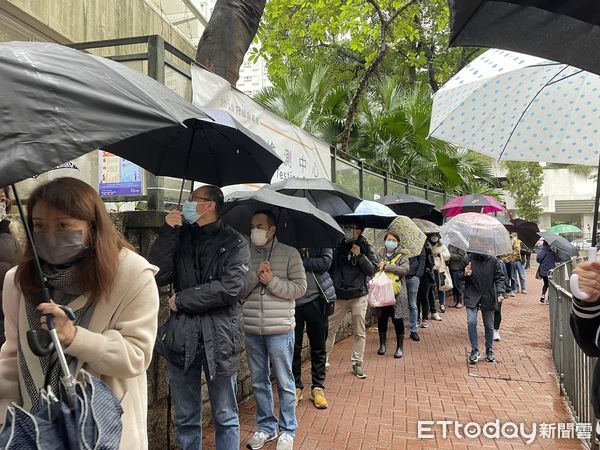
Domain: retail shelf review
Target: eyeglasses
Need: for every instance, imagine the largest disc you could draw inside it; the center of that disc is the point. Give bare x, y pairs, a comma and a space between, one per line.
198, 199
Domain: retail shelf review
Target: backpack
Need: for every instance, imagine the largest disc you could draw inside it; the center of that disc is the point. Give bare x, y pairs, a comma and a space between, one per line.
395, 278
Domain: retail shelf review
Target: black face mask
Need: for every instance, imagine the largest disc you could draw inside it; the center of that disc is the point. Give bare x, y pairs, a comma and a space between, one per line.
59, 247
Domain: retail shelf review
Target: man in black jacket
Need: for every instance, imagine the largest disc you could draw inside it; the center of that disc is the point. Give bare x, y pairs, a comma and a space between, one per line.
354, 263
207, 262
484, 286
313, 310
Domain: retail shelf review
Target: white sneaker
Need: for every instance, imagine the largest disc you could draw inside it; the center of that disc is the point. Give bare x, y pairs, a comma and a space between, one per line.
285, 442
496, 335
436, 316
259, 439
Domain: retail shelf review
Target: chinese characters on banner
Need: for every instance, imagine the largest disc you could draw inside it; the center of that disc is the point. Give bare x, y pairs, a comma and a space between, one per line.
117, 176
303, 155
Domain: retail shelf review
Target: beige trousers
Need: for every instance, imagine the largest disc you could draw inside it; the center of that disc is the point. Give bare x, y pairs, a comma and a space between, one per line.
358, 308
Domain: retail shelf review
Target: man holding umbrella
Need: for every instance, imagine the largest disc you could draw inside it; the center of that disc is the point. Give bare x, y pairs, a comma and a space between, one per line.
276, 279
354, 263
206, 261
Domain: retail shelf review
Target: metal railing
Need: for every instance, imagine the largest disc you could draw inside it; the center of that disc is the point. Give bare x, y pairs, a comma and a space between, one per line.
573, 367
165, 63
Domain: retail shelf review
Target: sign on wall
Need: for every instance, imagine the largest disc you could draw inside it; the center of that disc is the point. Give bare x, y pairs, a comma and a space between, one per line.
303, 155
117, 176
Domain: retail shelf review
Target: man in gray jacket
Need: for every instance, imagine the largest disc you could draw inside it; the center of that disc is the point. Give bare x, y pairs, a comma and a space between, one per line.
276, 279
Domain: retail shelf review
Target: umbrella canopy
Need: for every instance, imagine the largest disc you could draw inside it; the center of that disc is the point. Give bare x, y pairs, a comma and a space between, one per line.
526, 231
472, 203
522, 108
370, 214
563, 30
426, 226
62, 103
477, 233
299, 224
435, 216
412, 238
407, 205
564, 228
563, 248
324, 194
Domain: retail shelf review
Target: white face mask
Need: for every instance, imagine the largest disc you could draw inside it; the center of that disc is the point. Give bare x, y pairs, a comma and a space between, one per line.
258, 237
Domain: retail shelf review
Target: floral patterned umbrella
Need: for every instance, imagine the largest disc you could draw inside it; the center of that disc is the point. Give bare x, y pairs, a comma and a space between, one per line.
411, 238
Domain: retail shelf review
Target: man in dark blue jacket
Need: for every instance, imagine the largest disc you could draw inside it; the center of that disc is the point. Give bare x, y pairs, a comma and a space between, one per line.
207, 262
354, 263
313, 309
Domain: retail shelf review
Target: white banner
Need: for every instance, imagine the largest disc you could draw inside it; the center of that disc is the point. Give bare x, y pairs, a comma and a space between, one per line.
303, 155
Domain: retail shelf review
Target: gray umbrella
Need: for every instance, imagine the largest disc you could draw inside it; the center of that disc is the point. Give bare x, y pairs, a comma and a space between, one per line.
299, 224
563, 248
60, 103
324, 194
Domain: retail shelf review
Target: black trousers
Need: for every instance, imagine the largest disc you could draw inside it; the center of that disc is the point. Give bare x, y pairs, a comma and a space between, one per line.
497, 315
423, 298
314, 316
382, 321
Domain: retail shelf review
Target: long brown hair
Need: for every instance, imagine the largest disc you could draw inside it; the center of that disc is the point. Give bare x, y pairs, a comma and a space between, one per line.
99, 267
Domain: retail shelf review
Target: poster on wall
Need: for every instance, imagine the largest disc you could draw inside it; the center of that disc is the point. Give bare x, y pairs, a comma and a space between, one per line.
117, 176
303, 155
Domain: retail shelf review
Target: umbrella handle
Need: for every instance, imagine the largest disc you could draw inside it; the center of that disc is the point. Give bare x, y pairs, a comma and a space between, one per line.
574, 280
33, 336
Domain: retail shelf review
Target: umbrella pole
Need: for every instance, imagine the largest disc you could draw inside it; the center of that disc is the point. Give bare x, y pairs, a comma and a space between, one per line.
595, 224
36, 260
187, 166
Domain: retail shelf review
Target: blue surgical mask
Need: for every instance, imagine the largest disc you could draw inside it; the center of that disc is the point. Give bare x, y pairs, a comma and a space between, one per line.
391, 245
190, 213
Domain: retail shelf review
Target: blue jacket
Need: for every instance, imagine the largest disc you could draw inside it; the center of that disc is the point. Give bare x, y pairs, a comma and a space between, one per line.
547, 260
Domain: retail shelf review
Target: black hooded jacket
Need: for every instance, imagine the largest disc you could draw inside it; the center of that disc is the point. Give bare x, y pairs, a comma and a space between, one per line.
352, 273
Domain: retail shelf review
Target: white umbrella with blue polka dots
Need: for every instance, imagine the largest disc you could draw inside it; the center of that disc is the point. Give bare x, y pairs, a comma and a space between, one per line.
518, 107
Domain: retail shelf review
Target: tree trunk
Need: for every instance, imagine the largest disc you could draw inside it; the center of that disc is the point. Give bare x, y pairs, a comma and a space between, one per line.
429, 49
228, 36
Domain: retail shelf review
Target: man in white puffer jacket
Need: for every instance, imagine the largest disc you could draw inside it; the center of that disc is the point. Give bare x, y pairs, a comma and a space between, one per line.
276, 279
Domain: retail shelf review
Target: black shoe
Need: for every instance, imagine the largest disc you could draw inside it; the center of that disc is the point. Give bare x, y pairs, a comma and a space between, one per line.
489, 356
474, 356
382, 343
415, 336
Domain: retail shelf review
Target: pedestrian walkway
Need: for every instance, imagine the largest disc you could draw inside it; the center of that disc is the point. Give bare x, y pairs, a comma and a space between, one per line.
434, 382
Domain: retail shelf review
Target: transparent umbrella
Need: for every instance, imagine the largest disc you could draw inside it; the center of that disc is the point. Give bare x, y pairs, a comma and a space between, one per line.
477, 233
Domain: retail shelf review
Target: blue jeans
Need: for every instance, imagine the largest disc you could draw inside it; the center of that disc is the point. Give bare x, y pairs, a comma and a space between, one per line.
412, 288
520, 272
503, 266
186, 395
488, 323
457, 276
512, 280
273, 351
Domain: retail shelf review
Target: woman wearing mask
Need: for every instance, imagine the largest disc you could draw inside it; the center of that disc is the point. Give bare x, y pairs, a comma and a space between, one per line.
395, 263
90, 268
440, 256
9, 248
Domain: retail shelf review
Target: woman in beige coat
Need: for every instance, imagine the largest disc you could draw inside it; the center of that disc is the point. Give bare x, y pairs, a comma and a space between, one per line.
90, 268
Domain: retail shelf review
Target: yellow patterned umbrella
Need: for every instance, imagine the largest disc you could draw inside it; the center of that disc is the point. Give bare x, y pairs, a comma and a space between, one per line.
411, 238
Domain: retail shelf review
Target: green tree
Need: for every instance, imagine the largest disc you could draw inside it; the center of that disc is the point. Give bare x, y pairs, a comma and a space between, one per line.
524, 181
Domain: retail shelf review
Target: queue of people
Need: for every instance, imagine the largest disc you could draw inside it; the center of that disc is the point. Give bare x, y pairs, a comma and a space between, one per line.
221, 285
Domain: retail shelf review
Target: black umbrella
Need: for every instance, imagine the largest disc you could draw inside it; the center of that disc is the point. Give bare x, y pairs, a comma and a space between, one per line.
563, 248
324, 194
561, 30
435, 216
527, 231
299, 224
407, 205
60, 103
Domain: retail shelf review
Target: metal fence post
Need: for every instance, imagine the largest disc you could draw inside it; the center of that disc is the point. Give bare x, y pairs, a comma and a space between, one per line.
407, 185
156, 69
361, 187
333, 153
386, 181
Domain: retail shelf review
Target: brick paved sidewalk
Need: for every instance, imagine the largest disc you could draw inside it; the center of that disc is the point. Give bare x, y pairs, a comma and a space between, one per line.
434, 382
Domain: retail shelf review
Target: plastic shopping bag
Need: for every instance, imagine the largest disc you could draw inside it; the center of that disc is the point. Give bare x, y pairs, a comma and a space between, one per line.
381, 291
